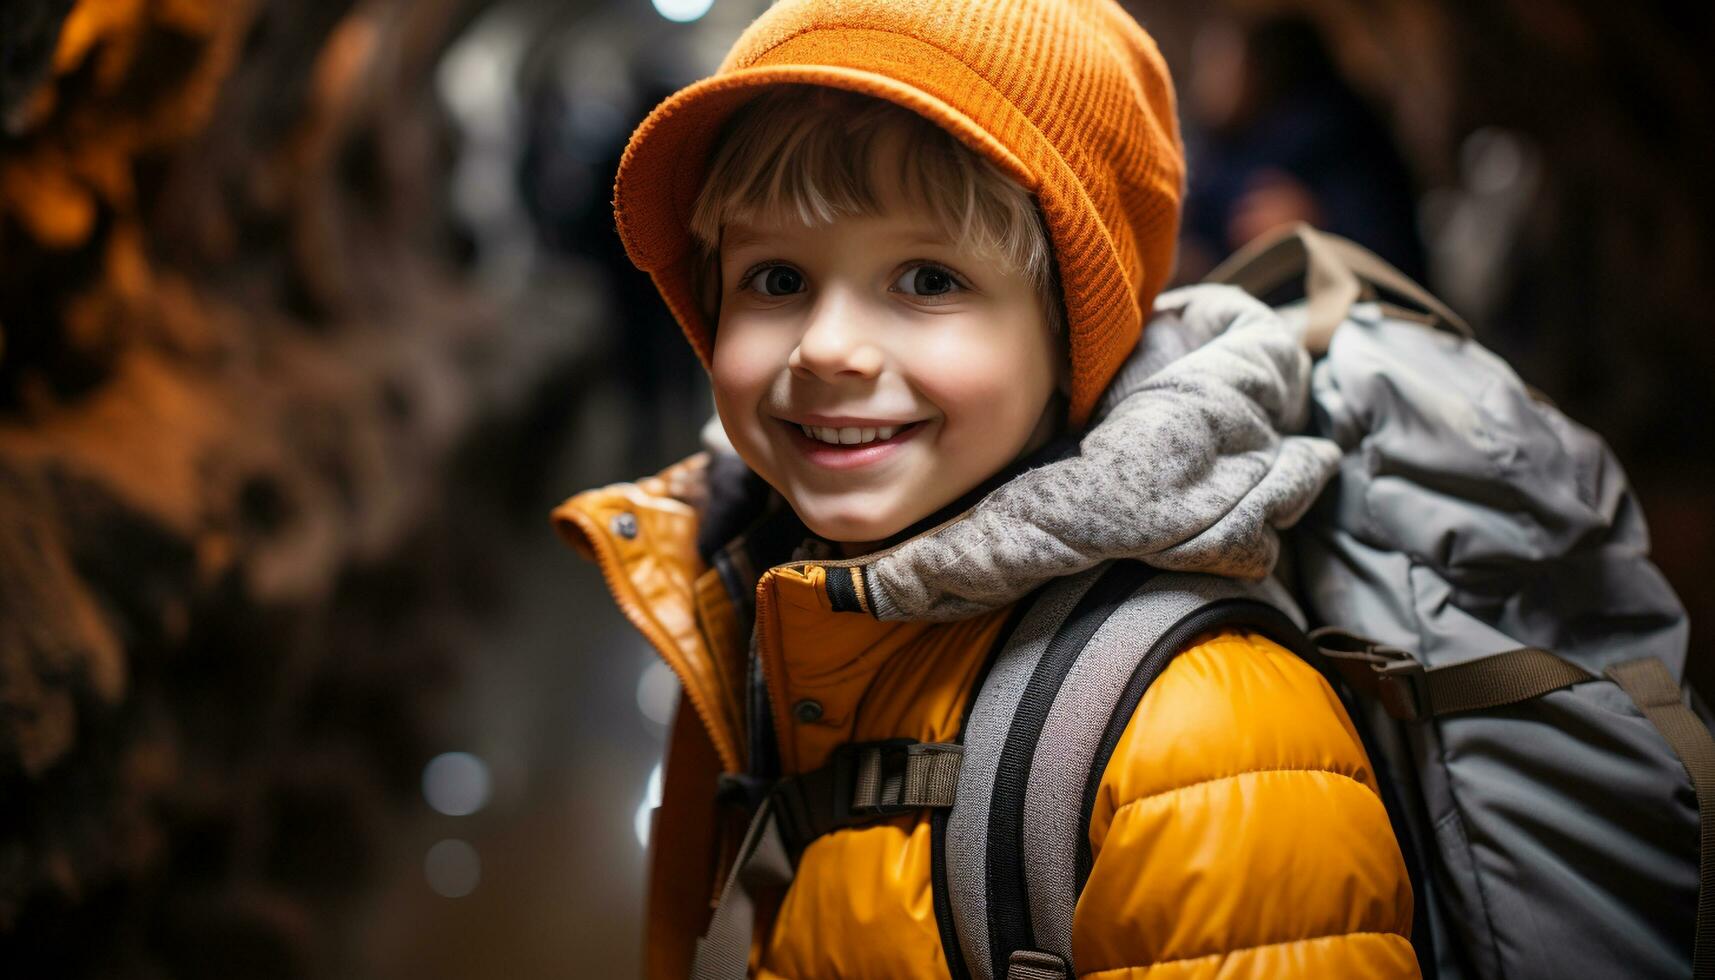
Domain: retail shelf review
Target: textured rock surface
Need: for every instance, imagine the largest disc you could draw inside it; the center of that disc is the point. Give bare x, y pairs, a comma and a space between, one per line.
241, 374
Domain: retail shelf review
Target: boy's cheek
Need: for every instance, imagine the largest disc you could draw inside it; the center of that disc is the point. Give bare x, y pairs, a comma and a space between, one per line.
740, 376
744, 365
980, 388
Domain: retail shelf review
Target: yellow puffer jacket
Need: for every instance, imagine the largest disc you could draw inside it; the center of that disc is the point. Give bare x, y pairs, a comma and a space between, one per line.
1238, 830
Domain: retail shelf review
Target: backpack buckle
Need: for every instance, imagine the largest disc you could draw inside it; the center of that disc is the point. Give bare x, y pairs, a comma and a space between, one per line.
743, 790
1390, 675
1402, 684
859, 783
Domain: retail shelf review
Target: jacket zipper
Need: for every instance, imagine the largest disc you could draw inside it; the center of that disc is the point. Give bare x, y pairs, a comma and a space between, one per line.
772, 683
724, 740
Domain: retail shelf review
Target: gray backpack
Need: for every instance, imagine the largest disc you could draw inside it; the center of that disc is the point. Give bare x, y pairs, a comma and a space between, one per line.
1517, 662
1478, 575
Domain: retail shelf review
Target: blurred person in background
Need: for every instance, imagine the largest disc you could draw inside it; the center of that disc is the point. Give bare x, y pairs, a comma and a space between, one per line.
567, 165
1274, 136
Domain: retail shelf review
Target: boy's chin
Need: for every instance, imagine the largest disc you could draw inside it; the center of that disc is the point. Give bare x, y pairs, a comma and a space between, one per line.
855, 530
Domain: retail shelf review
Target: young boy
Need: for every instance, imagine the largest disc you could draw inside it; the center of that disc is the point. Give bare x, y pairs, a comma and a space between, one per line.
913, 244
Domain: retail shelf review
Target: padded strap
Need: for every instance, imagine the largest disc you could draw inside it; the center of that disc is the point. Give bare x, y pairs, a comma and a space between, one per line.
1013, 874
1657, 694
1337, 272
964, 850
1041, 730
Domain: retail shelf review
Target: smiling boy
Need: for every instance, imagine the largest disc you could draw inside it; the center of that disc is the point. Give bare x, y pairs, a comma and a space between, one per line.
875, 367
914, 243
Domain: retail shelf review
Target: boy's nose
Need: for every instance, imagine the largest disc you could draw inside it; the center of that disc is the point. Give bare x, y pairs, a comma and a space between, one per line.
835, 345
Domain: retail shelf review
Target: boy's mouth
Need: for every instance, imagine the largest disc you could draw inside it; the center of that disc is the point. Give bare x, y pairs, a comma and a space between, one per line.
852, 435
844, 447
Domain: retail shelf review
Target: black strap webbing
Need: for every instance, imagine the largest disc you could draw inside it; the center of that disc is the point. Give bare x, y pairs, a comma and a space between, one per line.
862, 782
957, 968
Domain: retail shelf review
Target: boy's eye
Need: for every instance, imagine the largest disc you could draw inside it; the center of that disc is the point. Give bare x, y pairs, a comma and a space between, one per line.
923, 280
777, 280
927, 280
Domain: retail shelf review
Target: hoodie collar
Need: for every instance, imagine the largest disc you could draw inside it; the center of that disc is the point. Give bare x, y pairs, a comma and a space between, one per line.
1196, 465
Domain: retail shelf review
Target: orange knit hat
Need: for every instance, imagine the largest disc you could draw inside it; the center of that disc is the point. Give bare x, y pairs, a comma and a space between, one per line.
1068, 97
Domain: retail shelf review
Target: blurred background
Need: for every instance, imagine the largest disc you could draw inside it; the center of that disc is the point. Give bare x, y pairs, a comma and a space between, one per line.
310, 311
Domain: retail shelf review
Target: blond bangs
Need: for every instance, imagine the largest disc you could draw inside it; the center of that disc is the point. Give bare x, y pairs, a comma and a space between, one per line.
804, 153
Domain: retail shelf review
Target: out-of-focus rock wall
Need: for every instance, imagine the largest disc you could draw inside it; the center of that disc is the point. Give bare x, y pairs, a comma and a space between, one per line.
240, 373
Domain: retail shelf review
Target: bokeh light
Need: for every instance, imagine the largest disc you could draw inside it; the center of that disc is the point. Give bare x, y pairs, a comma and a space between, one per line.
452, 868
682, 11
646, 809
456, 783
657, 693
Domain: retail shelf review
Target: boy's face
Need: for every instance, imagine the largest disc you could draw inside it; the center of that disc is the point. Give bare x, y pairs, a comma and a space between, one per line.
920, 367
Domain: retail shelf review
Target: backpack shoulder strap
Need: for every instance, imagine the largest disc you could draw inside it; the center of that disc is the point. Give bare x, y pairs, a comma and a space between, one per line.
1015, 850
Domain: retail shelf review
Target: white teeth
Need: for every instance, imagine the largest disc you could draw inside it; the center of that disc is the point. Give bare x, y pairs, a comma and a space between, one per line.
849, 435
